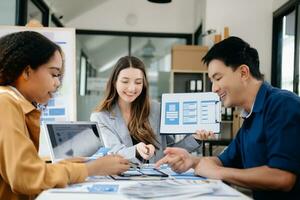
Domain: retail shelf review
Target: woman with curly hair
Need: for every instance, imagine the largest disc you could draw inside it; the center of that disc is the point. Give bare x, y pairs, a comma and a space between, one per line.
31, 69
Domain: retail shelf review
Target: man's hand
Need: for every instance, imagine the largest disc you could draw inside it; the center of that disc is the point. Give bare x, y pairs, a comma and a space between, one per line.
146, 151
178, 159
108, 165
209, 167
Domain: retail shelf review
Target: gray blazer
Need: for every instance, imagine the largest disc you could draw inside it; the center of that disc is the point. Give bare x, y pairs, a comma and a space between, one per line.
116, 135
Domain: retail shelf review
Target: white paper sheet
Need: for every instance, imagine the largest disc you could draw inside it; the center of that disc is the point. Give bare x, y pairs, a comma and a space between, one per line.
184, 113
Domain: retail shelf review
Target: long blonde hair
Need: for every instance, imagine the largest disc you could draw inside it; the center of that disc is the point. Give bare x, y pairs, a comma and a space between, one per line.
139, 125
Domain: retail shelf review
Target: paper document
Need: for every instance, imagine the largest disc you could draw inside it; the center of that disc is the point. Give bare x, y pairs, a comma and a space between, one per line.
184, 113
99, 153
188, 175
167, 189
178, 189
88, 188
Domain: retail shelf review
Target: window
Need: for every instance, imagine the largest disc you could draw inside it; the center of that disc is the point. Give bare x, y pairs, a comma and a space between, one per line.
104, 48
155, 52
286, 39
32, 9
82, 74
55, 22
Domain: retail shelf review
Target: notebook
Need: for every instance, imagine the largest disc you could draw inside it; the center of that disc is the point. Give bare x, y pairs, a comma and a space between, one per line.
72, 139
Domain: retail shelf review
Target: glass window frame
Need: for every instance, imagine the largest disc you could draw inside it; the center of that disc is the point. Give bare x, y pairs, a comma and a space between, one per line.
22, 10
188, 38
56, 21
292, 5
83, 73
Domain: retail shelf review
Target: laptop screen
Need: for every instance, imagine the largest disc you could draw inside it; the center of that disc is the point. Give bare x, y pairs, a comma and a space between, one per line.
72, 139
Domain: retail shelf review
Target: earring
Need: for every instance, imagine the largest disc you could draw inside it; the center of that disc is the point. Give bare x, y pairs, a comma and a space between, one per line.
25, 76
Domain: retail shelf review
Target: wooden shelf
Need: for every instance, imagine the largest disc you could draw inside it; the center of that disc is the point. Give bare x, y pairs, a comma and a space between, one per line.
188, 57
188, 71
227, 121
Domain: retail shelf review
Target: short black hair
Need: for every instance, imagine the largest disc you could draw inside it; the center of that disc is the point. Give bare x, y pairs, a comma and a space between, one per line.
21, 49
234, 51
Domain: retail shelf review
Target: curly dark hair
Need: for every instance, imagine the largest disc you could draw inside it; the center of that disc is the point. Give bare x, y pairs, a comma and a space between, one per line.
21, 49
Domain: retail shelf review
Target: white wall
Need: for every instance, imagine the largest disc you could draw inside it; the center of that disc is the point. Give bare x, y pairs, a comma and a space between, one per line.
250, 20
278, 3
200, 12
143, 16
7, 12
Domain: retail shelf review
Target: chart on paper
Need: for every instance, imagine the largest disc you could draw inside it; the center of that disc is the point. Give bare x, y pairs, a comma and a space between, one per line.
184, 113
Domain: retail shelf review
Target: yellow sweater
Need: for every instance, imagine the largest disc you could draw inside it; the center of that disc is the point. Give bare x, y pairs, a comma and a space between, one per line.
23, 174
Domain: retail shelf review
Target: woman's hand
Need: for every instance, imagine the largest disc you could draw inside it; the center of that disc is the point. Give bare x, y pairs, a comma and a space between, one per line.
107, 165
204, 135
76, 160
146, 151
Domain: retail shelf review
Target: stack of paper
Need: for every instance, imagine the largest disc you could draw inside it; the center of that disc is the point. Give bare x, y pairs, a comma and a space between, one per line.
179, 189
188, 175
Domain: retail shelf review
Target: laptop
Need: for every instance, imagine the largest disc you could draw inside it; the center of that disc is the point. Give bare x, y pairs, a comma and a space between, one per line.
72, 139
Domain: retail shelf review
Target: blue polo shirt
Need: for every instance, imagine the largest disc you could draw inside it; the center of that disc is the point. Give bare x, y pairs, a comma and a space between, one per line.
269, 136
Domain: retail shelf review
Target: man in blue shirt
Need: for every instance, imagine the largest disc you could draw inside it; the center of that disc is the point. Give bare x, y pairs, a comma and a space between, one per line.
265, 154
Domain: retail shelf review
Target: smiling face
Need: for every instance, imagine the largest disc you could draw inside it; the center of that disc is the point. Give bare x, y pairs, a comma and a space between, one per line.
228, 84
40, 84
129, 84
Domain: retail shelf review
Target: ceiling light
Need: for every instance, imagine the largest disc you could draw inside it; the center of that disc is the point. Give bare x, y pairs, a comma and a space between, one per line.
148, 50
160, 1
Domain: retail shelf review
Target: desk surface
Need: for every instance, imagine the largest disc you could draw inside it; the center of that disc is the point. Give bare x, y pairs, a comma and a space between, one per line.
57, 196
50, 195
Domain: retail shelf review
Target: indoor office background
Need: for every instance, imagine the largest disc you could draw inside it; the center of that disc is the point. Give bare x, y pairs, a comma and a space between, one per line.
109, 29
98, 51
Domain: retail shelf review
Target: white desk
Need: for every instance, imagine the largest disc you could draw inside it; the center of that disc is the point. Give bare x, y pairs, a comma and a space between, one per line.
48, 195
